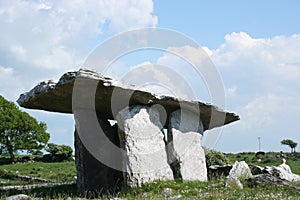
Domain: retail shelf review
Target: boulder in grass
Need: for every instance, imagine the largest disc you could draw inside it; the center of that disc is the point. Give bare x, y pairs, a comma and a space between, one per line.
240, 170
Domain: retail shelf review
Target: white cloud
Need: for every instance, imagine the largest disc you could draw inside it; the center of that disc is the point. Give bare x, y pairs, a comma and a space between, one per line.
258, 66
261, 81
11, 85
263, 111
261, 77
6, 71
193, 55
19, 52
194, 65
158, 79
231, 91
130, 14
50, 37
58, 58
276, 56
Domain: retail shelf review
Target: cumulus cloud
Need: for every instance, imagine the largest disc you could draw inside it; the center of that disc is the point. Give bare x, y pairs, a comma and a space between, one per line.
261, 77
195, 66
277, 56
11, 85
51, 37
160, 79
270, 111
259, 66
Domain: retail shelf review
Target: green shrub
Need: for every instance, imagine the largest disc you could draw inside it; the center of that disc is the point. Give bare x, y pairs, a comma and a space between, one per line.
270, 158
214, 157
58, 153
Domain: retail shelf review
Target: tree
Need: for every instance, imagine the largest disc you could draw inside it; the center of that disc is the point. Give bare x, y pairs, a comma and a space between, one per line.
291, 144
20, 131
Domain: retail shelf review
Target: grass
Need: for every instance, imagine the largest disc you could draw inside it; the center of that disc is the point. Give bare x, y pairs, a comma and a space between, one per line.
213, 189
54, 192
59, 172
207, 190
270, 159
183, 189
9, 178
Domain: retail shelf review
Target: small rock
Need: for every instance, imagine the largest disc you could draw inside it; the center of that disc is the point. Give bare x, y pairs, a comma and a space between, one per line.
240, 170
144, 195
178, 196
68, 198
255, 169
233, 182
212, 185
167, 191
202, 195
270, 179
18, 197
218, 170
281, 173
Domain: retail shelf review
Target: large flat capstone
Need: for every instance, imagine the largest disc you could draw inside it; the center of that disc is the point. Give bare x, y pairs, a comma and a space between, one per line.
74, 88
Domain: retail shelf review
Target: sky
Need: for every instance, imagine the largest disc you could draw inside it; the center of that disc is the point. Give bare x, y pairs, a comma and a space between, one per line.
254, 45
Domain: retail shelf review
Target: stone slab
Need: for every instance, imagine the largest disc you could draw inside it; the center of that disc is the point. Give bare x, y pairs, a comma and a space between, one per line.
58, 97
185, 153
92, 174
141, 137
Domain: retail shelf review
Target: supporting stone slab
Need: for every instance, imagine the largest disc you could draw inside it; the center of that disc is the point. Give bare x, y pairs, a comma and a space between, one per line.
185, 154
92, 175
142, 139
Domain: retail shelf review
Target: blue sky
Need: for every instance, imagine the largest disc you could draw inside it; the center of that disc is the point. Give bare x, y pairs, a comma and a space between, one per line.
255, 46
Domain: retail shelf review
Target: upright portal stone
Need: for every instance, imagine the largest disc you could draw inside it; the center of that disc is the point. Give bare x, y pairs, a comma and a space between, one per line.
92, 174
185, 153
141, 138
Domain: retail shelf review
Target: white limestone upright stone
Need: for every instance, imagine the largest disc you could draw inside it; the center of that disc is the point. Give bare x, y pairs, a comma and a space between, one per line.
240, 170
142, 139
185, 153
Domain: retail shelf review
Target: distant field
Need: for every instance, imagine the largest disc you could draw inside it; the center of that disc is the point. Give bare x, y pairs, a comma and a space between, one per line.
269, 159
60, 172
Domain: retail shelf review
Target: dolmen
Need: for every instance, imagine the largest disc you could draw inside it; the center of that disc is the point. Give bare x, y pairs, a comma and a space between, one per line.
125, 136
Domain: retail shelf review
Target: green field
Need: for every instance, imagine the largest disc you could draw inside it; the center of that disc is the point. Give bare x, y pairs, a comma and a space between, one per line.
270, 159
213, 189
58, 172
